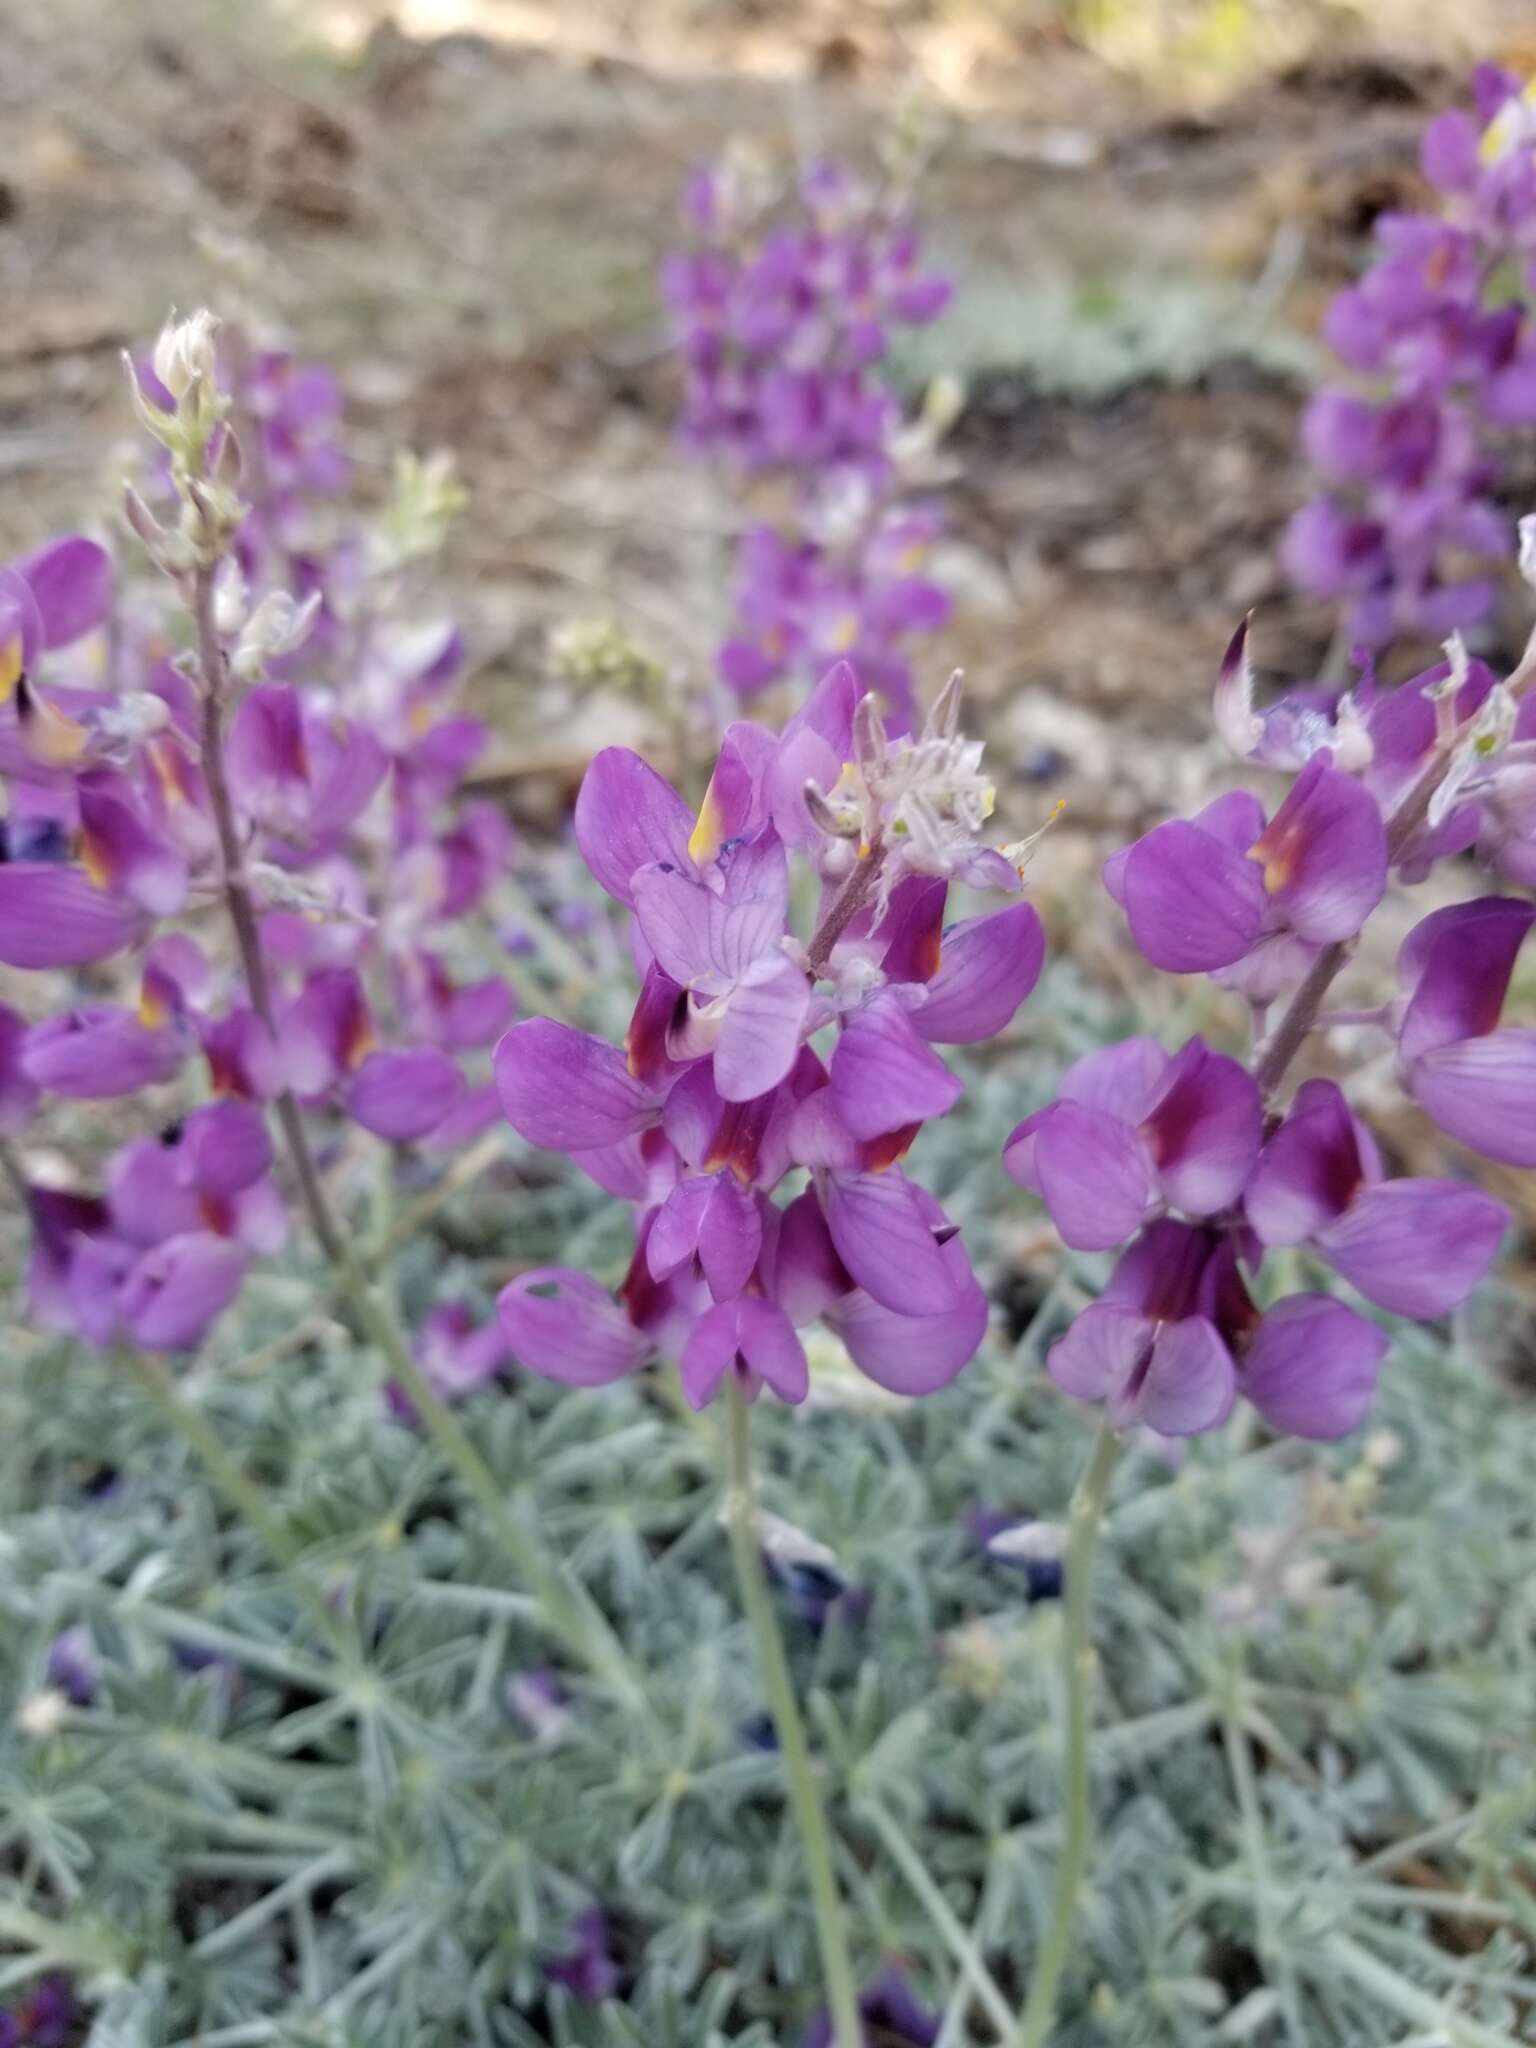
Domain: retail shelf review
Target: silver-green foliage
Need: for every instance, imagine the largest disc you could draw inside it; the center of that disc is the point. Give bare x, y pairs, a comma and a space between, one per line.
1317, 1702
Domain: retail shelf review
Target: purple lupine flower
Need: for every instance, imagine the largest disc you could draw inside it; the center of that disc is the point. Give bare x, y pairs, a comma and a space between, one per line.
781, 330
46, 2018
1448, 358
1203, 894
1474, 1077
717, 1096
1133, 1128
589, 1969
1151, 1348
1176, 1335
1417, 1247
890, 2012
72, 1665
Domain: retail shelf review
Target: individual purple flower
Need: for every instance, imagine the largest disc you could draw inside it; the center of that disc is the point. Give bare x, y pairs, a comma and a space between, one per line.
588, 1969
48, 2017
1176, 1335
1475, 1077
1134, 1129
100, 1050
178, 1289
72, 1665
890, 2012
1150, 1348
1202, 894
55, 916
1417, 1247
718, 933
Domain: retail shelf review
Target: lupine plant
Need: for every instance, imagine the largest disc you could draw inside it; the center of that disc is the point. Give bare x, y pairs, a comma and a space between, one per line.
234, 782
1438, 334
235, 810
1201, 1169
718, 1099
783, 325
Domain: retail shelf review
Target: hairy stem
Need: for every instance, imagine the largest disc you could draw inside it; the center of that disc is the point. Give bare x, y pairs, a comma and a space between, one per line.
1085, 1519
566, 1606
773, 1668
1302, 1011
846, 905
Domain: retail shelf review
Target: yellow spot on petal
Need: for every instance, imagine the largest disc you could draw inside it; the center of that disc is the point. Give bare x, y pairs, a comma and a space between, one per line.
93, 858
10, 668
844, 634
1511, 125
707, 836
153, 1009
912, 557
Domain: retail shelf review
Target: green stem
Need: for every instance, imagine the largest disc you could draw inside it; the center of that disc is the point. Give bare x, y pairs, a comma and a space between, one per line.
940, 1912
1245, 1784
1084, 1521
773, 1668
568, 1608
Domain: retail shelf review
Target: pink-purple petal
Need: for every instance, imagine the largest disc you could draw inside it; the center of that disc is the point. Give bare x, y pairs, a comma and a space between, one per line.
883, 1232
1309, 1171
71, 584
53, 916
565, 1327
1312, 1365
1204, 1131
884, 1076
628, 817
1456, 966
1192, 903
987, 967
1095, 1175
177, 1289
1483, 1091
1417, 1247
568, 1091
761, 1029
402, 1095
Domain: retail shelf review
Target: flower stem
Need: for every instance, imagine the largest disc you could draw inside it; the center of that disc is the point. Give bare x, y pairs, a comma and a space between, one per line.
773, 1668
846, 905
567, 1608
1084, 1521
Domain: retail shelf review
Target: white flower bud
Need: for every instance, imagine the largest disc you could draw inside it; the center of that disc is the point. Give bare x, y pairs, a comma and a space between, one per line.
1527, 532
231, 599
184, 355
275, 627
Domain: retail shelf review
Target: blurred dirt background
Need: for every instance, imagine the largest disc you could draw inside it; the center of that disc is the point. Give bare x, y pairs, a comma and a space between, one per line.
463, 203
